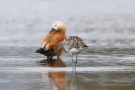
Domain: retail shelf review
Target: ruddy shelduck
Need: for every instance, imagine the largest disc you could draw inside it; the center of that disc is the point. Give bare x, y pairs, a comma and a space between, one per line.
52, 39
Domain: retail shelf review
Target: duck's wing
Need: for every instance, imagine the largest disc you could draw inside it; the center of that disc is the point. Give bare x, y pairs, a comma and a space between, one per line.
43, 50
50, 43
46, 40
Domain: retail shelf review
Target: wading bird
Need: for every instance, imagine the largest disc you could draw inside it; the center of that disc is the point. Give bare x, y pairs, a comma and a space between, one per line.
52, 39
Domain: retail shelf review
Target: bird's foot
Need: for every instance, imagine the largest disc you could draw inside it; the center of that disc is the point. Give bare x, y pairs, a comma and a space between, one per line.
75, 62
49, 58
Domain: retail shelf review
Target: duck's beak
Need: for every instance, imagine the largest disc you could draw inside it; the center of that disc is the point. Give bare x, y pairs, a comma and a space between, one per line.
52, 30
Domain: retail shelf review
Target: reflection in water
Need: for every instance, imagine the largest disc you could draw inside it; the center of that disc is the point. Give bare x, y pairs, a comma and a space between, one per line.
55, 80
74, 85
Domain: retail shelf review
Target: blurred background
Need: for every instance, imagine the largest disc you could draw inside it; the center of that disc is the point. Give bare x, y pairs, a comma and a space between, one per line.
107, 26
28, 21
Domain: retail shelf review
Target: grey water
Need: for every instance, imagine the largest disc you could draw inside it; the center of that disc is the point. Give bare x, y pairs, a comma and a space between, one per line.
107, 26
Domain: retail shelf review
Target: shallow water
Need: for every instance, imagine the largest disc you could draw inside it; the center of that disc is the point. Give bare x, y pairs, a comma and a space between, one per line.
107, 28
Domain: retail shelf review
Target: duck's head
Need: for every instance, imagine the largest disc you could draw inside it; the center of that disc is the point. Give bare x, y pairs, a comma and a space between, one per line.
58, 26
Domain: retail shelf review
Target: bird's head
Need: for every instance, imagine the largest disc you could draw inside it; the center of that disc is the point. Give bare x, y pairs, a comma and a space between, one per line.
58, 26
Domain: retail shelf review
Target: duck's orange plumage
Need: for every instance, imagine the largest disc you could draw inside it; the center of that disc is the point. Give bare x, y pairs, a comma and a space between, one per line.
52, 39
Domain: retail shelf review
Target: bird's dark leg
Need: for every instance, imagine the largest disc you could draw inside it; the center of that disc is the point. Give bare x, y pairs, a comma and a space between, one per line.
76, 61
72, 62
72, 58
50, 57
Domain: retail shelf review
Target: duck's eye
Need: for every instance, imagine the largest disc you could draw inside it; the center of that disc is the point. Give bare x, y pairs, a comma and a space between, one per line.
55, 25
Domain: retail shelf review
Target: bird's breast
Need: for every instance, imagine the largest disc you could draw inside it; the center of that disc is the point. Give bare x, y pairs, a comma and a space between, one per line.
74, 51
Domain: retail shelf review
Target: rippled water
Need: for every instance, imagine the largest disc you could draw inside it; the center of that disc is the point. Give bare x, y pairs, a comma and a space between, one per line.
107, 28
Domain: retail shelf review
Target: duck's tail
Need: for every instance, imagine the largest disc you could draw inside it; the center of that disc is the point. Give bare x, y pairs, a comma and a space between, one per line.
41, 51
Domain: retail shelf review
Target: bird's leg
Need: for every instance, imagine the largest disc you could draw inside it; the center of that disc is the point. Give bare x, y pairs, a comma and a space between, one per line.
72, 58
53, 53
50, 57
57, 56
73, 63
76, 61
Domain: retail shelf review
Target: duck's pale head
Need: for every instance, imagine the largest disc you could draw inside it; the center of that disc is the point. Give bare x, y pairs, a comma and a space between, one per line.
58, 26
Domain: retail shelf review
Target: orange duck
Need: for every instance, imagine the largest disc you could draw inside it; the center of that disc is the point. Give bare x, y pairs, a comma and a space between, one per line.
52, 39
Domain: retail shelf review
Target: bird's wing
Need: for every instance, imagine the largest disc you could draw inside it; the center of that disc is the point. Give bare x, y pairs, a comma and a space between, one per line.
46, 39
51, 41
75, 42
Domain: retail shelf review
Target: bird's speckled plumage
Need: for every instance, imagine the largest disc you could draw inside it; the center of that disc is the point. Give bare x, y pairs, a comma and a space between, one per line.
73, 45
73, 42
